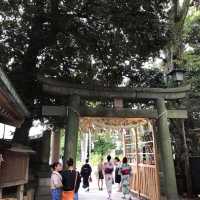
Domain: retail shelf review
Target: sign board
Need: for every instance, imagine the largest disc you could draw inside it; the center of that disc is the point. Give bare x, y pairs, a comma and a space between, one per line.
118, 103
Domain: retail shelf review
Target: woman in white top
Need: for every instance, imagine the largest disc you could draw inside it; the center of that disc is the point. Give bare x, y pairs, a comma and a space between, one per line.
56, 181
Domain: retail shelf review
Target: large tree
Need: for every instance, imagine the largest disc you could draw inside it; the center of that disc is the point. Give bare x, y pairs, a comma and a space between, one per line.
174, 49
82, 41
191, 62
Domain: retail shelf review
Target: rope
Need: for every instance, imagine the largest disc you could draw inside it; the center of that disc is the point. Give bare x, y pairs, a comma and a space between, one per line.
121, 126
163, 113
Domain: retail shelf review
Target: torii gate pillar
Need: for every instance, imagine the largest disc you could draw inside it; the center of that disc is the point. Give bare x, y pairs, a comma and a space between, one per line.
55, 145
72, 128
166, 152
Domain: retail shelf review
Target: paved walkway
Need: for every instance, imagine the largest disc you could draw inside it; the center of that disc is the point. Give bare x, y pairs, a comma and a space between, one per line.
95, 194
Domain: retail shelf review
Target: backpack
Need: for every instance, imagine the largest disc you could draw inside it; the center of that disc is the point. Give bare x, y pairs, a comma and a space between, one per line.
85, 170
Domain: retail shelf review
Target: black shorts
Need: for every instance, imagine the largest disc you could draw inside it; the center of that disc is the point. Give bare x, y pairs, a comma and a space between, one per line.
100, 174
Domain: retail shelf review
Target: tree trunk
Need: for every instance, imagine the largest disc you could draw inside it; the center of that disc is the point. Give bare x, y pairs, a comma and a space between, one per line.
21, 134
38, 41
174, 51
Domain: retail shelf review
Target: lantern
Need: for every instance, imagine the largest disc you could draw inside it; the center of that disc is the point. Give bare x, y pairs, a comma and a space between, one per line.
177, 75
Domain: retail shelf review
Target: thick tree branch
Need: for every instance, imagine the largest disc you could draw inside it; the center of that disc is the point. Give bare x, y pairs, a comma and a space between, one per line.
182, 10
185, 8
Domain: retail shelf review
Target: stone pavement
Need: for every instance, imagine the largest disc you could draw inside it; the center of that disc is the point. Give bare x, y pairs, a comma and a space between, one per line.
95, 194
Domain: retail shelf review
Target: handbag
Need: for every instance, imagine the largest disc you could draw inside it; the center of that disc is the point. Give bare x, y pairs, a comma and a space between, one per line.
69, 195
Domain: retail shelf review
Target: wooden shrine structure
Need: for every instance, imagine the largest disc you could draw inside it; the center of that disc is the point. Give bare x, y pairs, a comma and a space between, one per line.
12, 112
155, 121
12, 109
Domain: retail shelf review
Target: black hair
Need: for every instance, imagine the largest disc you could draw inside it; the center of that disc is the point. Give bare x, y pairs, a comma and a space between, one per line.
117, 159
70, 162
54, 165
87, 160
125, 160
108, 158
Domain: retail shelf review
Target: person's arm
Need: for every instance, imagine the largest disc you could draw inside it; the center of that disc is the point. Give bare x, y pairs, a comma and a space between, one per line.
81, 174
90, 170
78, 182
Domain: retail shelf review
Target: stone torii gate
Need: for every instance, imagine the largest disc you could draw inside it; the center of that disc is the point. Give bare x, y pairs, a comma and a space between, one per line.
72, 111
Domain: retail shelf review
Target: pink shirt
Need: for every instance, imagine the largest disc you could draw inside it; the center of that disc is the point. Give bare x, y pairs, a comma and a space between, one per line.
56, 180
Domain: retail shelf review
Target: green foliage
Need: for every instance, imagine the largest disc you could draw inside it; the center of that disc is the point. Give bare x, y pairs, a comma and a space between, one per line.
87, 42
103, 145
191, 62
95, 159
191, 58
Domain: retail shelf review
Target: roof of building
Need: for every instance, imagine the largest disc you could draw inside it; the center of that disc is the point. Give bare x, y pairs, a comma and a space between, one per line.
12, 109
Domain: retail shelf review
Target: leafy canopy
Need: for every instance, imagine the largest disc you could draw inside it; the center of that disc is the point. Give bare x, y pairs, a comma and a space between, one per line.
103, 145
81, 41
191, 61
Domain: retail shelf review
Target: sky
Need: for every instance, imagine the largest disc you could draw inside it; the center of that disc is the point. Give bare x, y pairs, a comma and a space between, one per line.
6, 131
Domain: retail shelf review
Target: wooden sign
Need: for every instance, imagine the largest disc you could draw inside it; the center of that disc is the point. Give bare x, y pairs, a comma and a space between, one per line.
118, 103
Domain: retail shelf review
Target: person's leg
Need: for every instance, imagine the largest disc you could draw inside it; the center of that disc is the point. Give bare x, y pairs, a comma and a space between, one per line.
109, 185
101, 184
56, 194
76, 196
52, 195
86, 182
59, 194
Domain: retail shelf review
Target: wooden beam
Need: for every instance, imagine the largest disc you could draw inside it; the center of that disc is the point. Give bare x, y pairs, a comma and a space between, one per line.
54, 110
14, 98
106, 112
55, 87
124, 113
12, 109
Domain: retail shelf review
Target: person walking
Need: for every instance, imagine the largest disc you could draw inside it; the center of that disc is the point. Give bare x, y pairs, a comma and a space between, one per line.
71, 180
56, 181
125, 171
108, 172
100, 175
86, 171
117, 174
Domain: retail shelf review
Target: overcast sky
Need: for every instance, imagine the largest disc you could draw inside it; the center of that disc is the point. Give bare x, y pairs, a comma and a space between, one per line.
6, 131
